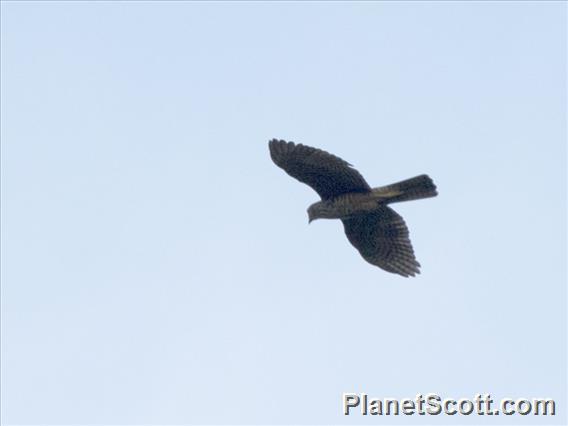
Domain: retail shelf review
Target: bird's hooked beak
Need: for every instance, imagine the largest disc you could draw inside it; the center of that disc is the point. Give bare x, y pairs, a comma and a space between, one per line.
310, 217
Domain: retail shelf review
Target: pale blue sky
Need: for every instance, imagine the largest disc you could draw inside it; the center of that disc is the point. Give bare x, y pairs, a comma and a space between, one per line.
158, 268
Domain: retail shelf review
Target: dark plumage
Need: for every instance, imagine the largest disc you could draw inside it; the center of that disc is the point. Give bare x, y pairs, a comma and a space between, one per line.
373, 228
327, 174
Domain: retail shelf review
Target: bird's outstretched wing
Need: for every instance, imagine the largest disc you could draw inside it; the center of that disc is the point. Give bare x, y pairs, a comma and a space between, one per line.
382, 239
327, 174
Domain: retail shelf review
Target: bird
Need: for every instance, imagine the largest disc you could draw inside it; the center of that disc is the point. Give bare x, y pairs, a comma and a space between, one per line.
371, 225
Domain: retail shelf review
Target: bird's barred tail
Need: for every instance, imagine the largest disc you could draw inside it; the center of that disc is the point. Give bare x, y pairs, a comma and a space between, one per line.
410, 189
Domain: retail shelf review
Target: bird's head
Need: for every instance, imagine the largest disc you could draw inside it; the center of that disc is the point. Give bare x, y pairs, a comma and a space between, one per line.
312, 213
320, 210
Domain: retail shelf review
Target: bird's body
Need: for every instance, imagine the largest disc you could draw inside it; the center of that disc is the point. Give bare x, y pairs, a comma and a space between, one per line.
377, 231
346, 205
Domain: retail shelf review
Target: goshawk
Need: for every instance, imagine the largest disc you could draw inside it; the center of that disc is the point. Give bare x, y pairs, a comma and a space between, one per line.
372, 227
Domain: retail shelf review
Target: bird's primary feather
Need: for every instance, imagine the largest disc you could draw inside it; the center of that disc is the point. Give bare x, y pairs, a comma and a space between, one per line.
327, 174
382, 239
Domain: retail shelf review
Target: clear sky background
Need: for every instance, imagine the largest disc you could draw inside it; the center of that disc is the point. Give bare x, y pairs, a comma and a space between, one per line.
157, 267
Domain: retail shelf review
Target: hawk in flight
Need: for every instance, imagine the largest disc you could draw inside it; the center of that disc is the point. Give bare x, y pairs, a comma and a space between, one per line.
372, 227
